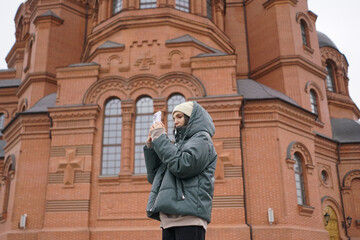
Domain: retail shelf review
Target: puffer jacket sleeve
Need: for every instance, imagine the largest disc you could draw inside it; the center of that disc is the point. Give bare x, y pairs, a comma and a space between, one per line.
188, 161
152, 162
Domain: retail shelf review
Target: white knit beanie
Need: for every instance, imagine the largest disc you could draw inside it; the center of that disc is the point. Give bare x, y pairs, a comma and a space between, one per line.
186, 108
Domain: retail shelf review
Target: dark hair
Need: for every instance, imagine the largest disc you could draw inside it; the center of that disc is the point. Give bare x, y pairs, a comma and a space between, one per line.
186, 120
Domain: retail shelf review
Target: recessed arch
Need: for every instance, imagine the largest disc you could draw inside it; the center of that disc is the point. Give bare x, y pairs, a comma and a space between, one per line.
300, 148
9, 162
302, 16
349, 176
5, 112
312, 85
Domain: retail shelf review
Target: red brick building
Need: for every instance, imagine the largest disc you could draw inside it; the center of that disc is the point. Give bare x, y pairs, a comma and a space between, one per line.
85, 76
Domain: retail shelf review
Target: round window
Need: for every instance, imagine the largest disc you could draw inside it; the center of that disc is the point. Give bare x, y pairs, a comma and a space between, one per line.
324, 176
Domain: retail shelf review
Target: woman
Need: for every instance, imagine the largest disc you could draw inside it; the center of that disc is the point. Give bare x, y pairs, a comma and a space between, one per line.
182, 174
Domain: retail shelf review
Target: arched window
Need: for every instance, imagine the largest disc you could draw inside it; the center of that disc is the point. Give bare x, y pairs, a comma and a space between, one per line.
147, 4
28, 62
2, 121
182, 5
299, 180
111, 150
209, 9
171, 103
330, 77
8, 172
304, 33
313, 102
117, 6
143, 121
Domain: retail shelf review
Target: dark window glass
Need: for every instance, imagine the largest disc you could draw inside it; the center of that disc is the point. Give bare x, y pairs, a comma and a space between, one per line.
2, 121
299, 180
329, 77
182, 5
209, 9
304, 33
111, 152
147, 4
117, 6
313, 101
171, 103
143, 121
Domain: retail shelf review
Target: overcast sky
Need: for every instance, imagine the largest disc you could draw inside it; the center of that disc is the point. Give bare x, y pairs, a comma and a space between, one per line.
339, 20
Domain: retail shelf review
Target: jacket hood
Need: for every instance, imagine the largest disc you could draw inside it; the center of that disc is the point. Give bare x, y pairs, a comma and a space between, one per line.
200, 120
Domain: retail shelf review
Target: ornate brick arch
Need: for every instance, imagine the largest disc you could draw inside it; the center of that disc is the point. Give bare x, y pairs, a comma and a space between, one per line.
117, 85
297, 147
349, 176
329, 53
148, 84
10, 160
312, 85
302, 16
5, 112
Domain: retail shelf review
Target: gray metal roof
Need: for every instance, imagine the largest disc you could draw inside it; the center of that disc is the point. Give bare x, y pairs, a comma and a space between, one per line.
8, 70
188, 38
345, 130
325, 41
2, 145
50, 13
253, 90
110, 44
10, 83
43, 104
82, 64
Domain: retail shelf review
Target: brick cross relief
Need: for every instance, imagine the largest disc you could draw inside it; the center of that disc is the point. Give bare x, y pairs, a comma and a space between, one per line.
145, 62
69, 165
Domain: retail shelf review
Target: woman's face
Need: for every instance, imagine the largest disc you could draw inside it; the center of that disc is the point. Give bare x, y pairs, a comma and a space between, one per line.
179, 119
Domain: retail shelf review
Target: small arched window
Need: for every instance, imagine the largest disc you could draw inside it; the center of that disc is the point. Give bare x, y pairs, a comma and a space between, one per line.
330, 77
171, 103
313, 102
304, 33
147, 4
117, 6
111, 150
143, 121
2, 122
299, 180
209, 8
182, 5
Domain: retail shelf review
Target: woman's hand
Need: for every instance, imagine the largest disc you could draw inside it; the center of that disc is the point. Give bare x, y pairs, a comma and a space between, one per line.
154, 126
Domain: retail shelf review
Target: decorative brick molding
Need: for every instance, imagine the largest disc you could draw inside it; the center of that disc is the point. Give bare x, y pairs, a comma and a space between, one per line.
81, 150
67, 206
79, 177
232, 172
234, 201
270, 3
158, 84
305, 210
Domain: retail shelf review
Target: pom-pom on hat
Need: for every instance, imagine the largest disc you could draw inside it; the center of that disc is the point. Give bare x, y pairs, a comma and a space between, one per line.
186, 108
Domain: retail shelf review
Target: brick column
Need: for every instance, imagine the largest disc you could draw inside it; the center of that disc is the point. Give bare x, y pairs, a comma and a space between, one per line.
126, 143
132, 4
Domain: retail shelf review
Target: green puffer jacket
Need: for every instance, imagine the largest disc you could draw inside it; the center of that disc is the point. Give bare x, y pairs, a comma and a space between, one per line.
182, 174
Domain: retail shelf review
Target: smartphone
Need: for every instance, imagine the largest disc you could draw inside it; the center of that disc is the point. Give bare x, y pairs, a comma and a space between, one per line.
157, 117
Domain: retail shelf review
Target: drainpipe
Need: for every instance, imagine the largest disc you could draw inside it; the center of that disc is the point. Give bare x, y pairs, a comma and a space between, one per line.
341, 193
242, 124
247, 39
86, 24
242, 169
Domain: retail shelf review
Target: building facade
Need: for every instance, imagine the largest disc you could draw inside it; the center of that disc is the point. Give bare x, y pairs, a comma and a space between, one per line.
85, 76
